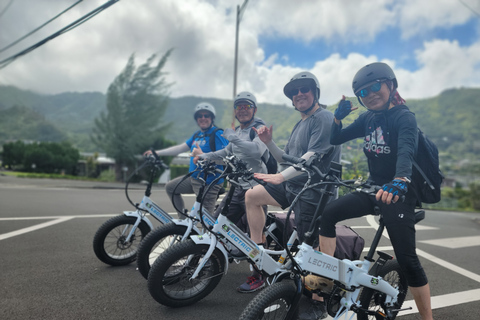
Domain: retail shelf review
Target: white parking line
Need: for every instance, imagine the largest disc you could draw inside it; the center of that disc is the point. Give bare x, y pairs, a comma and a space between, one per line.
445, 300
455, 243
33, 228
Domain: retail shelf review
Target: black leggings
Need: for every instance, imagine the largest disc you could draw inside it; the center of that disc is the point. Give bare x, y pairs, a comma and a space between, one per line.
399, 219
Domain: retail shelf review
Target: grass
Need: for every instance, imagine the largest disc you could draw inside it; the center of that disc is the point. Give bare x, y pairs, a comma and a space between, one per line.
48, 176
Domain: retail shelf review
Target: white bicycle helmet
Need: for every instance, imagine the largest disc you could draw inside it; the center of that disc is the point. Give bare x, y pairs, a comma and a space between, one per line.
246, 96
204, 106
303, 78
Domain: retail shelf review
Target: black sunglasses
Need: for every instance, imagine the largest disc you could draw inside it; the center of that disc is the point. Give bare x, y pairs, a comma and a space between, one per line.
206, 115
295, 91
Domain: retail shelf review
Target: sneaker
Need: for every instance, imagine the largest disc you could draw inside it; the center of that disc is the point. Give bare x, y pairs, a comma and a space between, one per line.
253, 283
315, 311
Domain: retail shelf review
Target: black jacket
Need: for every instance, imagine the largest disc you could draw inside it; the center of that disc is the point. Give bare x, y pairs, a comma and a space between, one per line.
390, 141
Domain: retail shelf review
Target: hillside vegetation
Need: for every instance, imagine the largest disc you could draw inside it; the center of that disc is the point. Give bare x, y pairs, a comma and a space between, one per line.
450, 119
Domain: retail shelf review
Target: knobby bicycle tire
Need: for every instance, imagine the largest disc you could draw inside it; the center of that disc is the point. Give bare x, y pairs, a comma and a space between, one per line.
374, 300
169, 280
109, 245
155, 243
273, 303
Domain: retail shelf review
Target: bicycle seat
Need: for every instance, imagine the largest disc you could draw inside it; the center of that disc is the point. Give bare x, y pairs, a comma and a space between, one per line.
419, 215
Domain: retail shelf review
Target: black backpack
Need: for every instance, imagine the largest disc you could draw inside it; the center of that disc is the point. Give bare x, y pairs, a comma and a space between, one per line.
211, 137
271, 163
426, 175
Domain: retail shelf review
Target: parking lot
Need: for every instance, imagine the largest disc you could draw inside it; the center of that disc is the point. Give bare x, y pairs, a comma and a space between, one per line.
49, 270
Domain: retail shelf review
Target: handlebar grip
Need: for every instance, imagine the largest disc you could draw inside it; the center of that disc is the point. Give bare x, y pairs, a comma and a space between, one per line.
292, 159
154, 154
263, 183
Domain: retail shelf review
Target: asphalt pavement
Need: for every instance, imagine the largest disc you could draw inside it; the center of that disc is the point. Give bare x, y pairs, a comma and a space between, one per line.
49, 270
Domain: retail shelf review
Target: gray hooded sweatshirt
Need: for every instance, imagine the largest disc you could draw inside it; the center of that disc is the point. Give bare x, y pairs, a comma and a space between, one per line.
241, 146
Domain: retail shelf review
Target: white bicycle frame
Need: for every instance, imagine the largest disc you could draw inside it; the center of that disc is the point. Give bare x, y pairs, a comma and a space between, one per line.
163, 217
231, 235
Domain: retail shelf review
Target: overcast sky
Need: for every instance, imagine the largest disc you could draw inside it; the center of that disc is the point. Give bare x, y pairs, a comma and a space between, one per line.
432, 45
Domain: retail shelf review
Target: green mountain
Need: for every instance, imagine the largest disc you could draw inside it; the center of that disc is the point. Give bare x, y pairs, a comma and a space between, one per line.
449, 119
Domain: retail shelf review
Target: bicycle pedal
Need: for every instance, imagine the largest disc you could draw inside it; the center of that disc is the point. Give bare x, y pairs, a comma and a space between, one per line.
380, 315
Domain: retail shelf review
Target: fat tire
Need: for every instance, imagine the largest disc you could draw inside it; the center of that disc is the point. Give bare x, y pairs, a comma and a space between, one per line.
276, 299
168, 279
155, 242
371, 299
107, 240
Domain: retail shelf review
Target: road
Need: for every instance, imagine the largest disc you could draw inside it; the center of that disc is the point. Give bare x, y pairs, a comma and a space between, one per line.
49, 270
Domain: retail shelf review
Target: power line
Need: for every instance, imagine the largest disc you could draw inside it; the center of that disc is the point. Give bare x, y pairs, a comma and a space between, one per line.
471, 9
43, 25
6, 8
71, 26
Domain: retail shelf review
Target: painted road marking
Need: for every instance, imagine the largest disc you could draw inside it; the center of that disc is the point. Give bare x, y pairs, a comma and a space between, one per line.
445, 300
455, 243
440, 301
33, 228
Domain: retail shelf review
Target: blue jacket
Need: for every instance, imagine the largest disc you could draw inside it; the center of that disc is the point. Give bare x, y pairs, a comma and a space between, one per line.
203, 139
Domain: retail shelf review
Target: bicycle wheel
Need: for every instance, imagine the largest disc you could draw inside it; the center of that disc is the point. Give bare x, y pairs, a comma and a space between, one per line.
273, 302
375, 301
109, 242
169, 280
155, 243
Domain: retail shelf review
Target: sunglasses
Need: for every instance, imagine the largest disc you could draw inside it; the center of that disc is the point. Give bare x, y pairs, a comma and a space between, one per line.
206, 116
243, 106
295, 91
373, 88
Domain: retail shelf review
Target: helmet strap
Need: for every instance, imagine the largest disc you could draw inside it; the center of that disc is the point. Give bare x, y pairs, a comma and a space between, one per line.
245, 123
309, 109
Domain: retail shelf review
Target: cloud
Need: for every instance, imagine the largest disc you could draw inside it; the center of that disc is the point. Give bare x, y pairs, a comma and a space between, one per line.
202, 34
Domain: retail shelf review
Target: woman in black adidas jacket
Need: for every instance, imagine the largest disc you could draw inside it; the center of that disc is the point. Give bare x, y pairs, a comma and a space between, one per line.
389, 130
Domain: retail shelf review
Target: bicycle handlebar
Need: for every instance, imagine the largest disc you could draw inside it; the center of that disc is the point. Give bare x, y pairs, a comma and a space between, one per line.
292, 159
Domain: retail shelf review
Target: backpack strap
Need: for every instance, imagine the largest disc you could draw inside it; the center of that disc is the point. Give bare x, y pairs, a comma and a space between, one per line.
195, 135
212, 135
252, 132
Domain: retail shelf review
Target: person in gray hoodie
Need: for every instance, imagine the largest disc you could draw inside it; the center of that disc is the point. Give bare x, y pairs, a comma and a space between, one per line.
244, 147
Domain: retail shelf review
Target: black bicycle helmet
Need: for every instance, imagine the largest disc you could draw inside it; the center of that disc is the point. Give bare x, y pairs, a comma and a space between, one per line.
373, 72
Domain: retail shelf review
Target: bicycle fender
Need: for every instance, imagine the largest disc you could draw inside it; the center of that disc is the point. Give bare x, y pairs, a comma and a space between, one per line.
205, 239
185, 222
136, 215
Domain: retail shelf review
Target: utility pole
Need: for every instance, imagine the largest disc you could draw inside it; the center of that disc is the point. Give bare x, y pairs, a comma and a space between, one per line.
240, 11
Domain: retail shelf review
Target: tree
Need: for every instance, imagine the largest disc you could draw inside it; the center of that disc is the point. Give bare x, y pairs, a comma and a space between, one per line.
136, 102
13, 154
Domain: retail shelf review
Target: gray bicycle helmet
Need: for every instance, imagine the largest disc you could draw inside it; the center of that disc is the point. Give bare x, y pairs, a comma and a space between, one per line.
246, 96
303, 78
372, 72
204, 106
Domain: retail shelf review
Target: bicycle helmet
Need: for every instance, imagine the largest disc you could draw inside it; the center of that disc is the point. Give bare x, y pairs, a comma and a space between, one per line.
204, 106
373, 72
301, 79
377, 71
246, 96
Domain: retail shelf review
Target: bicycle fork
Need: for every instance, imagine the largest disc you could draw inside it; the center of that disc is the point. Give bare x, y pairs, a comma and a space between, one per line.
208, 254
